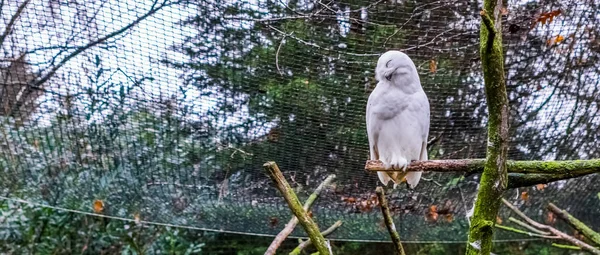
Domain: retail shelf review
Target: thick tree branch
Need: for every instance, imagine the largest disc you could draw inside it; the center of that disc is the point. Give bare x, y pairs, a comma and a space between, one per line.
576, 224
476, 166
289, 227
494, 179
306, 221
521, 173
517, 180
389, 222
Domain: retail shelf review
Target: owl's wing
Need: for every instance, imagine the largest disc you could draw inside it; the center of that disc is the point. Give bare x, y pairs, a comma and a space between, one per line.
373, 129
413, 178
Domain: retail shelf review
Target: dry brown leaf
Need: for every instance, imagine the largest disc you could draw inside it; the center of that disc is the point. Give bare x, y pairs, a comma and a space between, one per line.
449, 217
550, 218
350, 200
498, 220
432, 66
540, 186
546, 18
504, 11
432, 215
98, 206
555, 40
137, 218
273, 221
524, 196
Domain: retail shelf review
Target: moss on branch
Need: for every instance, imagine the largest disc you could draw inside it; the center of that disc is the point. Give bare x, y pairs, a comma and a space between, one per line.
494, 179
289, 227
306, 221
565, 168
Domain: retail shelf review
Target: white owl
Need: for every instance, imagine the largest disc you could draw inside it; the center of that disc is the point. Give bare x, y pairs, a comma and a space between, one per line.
397, 117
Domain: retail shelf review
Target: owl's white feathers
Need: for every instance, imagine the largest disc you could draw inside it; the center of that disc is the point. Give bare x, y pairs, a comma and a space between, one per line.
397, 117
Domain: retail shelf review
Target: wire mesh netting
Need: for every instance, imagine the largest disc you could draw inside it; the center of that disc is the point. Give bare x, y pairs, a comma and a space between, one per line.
164, 111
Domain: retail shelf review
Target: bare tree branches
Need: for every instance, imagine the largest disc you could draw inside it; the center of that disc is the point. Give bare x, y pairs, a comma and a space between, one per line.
555, 232
13, 19
48, 74
576, 224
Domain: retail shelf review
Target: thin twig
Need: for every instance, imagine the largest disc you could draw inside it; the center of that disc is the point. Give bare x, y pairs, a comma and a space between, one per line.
306, 243
389, 223
519, 231
290, 197
529, 227
13, 19
277, 55
568, 247
289, 227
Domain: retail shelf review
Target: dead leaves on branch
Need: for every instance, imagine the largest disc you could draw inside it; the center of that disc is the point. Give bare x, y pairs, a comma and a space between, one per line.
98, 206
363, 204
546, 18
445, 213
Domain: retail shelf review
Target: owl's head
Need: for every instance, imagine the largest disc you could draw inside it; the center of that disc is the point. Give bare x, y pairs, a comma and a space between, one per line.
395, 64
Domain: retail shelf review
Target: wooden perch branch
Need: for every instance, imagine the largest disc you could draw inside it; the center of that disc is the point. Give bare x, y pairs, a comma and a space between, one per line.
305, 221
306, 243
289, 227
521, 173
576, 224
552, 230
565, 167
389, 222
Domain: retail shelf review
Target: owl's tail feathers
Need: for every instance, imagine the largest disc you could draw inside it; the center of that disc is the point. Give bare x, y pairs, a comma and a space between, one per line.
395, 177
413, 178
384, 178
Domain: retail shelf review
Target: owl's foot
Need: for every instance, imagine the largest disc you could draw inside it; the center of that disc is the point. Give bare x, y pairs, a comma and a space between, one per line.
401, 164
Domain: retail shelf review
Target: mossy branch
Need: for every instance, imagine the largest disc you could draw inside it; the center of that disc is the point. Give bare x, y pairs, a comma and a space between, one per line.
489, 24
289, 227
576, 224
521, 173
568, 247
471, 166
305, 221
494, 179
389, 222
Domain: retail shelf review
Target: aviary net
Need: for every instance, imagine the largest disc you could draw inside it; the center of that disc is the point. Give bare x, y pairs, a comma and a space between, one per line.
164, 111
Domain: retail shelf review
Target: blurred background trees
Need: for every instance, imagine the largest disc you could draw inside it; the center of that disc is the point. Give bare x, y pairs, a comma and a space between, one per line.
167, 110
